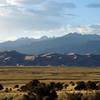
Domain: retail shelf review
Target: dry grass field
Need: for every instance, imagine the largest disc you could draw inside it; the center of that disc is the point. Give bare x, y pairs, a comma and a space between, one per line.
20, 75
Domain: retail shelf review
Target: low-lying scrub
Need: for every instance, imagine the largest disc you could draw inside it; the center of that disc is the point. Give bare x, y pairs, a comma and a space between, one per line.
90, 85
79, 96
42, 90
36, 90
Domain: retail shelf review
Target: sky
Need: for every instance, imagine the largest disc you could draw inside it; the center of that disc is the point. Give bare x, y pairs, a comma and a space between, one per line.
36, 18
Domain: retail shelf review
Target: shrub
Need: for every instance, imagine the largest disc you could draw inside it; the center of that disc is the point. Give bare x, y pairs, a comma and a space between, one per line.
72, 83
97, 96
53, 95
25, 97
80, 85
39, 90
46, 98
65, 85
10, 89
98, 86
1, 87
91, 85
16, 86
33, 84
6, 90
59, 86
24, 88
73, 96
51, 85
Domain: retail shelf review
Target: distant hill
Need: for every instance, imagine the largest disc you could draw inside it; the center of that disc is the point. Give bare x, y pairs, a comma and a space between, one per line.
73, 42
13, 58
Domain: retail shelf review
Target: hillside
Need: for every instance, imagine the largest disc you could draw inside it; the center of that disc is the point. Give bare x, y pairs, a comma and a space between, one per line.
13, 58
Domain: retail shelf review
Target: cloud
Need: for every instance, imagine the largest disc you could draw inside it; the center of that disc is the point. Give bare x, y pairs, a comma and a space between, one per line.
95, 28
46, 17
62, 30
86, 29
43, 7
38, 7
93, 5
35, 14
23, 2
34, 17
2, 1
57, 8
83, 29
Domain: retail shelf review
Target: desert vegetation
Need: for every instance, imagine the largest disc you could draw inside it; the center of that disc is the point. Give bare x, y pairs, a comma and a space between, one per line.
49, 83
37, 90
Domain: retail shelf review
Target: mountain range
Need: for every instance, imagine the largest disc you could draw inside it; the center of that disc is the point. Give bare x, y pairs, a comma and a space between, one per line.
72, 42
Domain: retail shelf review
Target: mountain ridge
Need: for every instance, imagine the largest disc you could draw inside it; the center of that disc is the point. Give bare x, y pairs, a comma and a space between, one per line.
73, 42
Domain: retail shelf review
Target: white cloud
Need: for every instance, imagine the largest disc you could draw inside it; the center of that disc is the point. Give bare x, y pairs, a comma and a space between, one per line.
33, 14
40, 17
83, 29
23, 2
2, 1
95, 28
